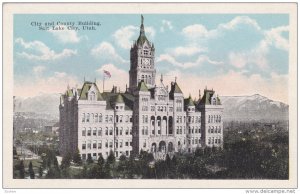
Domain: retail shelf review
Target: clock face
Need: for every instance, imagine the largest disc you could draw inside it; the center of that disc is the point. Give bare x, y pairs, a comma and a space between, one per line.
146, 62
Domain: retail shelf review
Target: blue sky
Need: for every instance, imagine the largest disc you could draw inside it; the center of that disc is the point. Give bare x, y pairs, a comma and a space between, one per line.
235, 54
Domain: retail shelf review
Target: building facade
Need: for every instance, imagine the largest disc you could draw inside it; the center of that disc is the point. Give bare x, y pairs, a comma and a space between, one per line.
148, 116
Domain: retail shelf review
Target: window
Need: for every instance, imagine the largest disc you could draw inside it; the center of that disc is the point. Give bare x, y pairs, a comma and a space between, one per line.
92, 118
126, 143
100, 118
209, 140
106, 144
100, 132
117, 131
144, 144
83, 117
94, 145
106, 131
89, 145
106, 118
117, 118
88, 117
121, 119
212, 130
83, 132
110, 119
127, 131
89, 132
152, 108
83, 147
95, 132
92, 96
99, 145
110, 144
170, 109
96, 118
127, 119
121, 131
219, 131
110, 131
83, 156
121, 144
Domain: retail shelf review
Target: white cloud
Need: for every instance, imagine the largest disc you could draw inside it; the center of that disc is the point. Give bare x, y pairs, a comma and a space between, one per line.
38, 70
239, 20
57, 83
65, 35
106, 51
125, 35
187, 50
196, 31
118, 78
274, 37
37, 50
166, 25
256, 56
199, 61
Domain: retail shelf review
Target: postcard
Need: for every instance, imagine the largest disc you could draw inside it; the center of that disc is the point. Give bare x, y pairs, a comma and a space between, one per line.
150, 95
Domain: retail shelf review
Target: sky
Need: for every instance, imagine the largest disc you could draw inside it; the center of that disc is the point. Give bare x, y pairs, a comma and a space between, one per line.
234, 54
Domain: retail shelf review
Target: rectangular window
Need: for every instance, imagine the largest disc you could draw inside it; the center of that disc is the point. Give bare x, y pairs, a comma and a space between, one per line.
83, 146
106, 144
100, 145
89, 133
126, 143
89, 145
94, 145
110, 132
106, 131
95, 132
110, 144
121, 144
83, 132
106, 118
99, 132
83, 156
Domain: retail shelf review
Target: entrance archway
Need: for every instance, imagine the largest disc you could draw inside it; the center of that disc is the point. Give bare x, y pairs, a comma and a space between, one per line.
162, 146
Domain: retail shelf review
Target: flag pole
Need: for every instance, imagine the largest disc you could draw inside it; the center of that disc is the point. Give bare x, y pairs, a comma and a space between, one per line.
103, 81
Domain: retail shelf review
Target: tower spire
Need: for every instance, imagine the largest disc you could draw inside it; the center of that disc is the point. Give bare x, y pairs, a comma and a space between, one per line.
142, 30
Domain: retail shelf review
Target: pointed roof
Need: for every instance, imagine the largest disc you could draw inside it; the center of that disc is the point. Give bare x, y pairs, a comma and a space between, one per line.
85, 88
190, 101
206, 99
142, 38
175, 88
119, 99
142, 86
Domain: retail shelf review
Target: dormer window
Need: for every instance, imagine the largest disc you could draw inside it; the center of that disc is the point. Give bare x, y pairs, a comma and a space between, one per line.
92, 96
214, 101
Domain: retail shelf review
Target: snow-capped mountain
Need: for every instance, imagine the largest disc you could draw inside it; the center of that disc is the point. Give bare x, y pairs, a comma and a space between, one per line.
255, 107
43, 104
240, 108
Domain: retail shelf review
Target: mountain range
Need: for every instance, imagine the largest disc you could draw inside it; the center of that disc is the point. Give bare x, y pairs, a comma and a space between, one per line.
236, 108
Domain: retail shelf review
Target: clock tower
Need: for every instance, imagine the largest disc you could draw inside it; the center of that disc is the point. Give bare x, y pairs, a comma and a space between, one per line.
142, 55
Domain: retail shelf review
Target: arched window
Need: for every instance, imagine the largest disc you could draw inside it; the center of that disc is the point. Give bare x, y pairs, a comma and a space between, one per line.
88, 118
92, 96
83, 117
100, 118
96, 118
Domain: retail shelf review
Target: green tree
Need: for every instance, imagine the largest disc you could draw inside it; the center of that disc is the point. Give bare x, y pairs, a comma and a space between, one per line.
40, 171
101, 160
31, 171
77, 158
66, 161
89, 159
122, 166
22, 170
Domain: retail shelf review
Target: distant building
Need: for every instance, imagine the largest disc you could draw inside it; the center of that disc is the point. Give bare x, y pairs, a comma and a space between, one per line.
147, 116
52, 128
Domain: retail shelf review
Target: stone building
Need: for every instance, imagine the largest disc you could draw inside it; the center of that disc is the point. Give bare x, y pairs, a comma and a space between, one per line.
148, 116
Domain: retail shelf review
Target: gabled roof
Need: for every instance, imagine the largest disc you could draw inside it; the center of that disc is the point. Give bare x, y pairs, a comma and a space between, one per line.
83, 95
111, 98
206, 99
175, 88
142, 86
